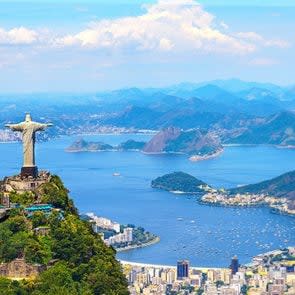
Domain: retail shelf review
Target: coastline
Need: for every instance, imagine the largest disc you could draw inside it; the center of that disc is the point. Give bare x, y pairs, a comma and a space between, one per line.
249, 264
196, 158
132, 247
273, 209
278, 146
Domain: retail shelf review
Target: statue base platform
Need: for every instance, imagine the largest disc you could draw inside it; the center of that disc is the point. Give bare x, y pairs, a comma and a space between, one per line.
20, 184
29, 172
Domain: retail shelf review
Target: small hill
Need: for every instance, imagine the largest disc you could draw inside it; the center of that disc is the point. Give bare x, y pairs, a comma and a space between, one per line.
179, 182
191, 142
131, 144
281, 186
82, 145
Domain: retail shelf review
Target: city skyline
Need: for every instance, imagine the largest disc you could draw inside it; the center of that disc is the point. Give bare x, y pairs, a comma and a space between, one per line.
99, 45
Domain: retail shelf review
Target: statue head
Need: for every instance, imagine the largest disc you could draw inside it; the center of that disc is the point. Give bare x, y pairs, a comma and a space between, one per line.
28, 117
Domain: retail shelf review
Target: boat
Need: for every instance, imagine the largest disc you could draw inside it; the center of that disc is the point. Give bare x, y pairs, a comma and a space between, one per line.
116, 174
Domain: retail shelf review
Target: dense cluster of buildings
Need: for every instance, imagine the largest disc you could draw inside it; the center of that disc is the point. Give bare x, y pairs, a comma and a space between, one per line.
264, 276
102, 223
221, 198
125, 237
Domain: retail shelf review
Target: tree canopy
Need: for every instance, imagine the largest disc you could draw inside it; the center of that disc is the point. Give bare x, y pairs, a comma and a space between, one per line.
83, 263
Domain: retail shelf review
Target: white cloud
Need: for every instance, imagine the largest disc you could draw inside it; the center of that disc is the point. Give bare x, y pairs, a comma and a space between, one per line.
178, 25
18, 36
167, 26
260, 40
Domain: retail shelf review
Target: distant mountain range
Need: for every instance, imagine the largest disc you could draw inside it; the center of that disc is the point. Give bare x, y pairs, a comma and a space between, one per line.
235, 110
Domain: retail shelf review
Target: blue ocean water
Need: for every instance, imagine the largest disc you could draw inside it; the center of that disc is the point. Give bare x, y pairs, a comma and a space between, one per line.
207, 236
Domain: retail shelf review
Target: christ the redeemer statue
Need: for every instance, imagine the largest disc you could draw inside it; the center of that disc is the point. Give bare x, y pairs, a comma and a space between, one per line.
28, 128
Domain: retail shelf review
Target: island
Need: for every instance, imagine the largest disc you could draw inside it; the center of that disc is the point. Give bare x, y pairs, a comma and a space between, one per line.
277, 193
82, 145
197, 144
180, 182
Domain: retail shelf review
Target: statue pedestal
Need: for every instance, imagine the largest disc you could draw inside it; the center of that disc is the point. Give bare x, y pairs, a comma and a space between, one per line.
29, 172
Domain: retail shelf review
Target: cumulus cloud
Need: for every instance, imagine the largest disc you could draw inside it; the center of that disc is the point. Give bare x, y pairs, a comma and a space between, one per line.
177, 25
260, 40
166, 26
18, 36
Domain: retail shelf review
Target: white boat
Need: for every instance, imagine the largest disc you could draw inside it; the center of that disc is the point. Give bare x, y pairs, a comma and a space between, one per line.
116, 174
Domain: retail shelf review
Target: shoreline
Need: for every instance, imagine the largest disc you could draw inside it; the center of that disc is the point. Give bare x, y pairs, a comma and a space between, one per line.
249, 264
132, 247
259, 144
197, 158
272, 209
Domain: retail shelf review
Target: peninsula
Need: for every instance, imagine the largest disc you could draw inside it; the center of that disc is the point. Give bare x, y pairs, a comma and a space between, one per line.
277, 193
120, 237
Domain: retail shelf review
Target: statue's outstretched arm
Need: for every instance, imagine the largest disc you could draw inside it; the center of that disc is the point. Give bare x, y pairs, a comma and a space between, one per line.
15, 127
40, 126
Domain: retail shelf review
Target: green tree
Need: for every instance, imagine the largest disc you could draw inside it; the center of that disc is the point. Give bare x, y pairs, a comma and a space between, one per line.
38, 250
57, 280
39, 219
25, 198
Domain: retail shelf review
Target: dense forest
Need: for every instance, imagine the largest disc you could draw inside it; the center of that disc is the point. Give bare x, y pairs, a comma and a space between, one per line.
76, 259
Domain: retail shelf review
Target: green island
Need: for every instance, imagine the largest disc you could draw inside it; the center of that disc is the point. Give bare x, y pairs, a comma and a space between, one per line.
60, 254
82, 145
179, 182
278, 193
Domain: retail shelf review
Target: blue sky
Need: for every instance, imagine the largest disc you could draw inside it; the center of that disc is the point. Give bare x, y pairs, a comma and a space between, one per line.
96, 45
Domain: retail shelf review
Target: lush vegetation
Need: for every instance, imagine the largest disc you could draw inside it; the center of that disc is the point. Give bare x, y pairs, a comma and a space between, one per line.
81, 263
281, 186
179, 181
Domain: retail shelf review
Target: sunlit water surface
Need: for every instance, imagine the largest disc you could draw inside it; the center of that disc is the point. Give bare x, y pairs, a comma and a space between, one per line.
207, 236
